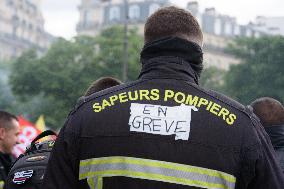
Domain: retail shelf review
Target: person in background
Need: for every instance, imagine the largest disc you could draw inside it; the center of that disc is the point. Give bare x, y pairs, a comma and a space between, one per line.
101, 84
271, 115
9, 131
163, 130
98, 85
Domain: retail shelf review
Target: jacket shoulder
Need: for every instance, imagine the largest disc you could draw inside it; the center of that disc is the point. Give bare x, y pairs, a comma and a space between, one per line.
85, 99
227, 100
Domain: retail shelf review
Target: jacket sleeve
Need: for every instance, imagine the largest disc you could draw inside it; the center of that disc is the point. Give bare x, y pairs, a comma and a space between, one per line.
63, 166
268, 173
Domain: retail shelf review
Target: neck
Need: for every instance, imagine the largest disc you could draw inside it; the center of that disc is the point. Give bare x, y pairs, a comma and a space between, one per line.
172, 56
2, 149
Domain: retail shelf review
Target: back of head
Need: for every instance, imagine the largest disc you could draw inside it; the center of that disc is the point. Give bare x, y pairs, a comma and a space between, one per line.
269, 111
5, 119
101, 84
175, 22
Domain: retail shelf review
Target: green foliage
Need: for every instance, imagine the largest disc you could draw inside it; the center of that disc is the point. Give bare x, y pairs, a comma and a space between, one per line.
6, 96
56, 80
111, 52
24, 73
261, 72
10, 103
212, 78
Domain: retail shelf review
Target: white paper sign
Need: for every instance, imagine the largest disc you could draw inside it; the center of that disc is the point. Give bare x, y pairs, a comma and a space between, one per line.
161, 120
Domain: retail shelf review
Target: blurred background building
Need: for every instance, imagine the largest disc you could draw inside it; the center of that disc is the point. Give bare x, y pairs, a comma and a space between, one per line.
22, 25
218, 29
21, 28
269, 25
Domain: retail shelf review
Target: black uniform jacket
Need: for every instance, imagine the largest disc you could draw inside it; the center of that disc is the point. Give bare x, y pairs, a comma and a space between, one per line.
163, 131
5, 165
276, 134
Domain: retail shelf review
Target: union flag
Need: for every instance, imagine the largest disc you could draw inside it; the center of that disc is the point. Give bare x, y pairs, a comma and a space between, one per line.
28, 132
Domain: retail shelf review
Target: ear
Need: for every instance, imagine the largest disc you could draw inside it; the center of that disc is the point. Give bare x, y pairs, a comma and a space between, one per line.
2, 133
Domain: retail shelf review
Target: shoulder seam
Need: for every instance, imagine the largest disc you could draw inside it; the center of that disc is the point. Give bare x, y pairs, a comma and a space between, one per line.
106, 92
217, 98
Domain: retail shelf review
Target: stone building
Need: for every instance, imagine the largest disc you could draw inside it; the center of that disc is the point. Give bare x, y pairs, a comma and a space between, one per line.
98, 14
21, 28
269, 25
218, 29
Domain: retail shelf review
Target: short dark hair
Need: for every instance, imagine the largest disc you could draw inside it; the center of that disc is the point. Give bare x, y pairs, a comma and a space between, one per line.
6, 118
101, 84
269, 111
172, 21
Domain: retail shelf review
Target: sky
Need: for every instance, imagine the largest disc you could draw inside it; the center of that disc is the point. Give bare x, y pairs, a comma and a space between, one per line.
61, 16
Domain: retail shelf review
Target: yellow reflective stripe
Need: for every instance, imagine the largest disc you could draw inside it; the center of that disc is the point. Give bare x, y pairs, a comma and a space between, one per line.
156, 177
100, 182
95, 182
1, 184
91, 182
159, 164
154, 170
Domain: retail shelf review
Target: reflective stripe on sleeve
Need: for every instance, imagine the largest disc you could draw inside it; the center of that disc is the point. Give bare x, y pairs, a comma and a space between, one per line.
95, 182
91, 182
1, 184
97, 168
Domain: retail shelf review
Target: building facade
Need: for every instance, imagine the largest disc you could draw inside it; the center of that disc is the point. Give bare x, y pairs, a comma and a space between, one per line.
21, 28
219, 30
269, 25
98, 14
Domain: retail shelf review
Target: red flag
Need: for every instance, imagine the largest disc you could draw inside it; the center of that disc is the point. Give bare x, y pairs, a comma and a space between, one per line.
28, 132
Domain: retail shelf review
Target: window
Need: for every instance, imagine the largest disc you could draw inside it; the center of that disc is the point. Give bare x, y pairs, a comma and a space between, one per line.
134, 12
31, 26
24, 23
217, 26
10, 2
248, 32
153, 8
114, 13
257, 34
20, 5
87, 17
237, 30
228, 28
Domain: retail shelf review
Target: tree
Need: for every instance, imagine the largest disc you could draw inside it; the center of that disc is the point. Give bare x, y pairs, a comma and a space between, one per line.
9, 102
111, 52
261, 71
62, 75
212, 78
6, 96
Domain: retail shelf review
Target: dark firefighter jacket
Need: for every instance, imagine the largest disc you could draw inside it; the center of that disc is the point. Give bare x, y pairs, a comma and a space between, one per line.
276, 134
163, 131
5, 165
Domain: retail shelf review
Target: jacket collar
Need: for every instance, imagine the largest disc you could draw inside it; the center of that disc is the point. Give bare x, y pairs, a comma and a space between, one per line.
172, 57
276, 134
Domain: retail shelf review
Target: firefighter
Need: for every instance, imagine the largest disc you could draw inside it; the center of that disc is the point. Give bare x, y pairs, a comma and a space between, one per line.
9, 131
271, 114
